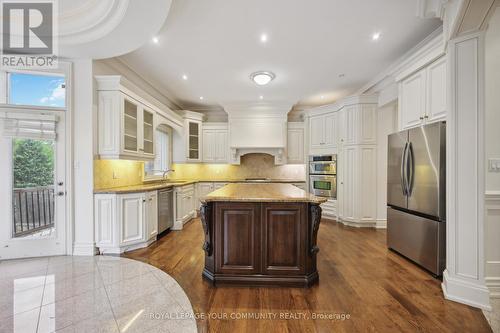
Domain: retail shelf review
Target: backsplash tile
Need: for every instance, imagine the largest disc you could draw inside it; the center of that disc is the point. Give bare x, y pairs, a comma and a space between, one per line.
116, 173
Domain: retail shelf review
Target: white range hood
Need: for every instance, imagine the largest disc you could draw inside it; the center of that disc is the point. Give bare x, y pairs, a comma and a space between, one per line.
257, 129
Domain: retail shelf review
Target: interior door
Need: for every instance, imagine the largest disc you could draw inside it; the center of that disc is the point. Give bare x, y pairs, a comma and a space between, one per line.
395, 185
427, 152
33, 196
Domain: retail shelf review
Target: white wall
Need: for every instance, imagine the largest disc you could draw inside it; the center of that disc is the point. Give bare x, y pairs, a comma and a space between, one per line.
492, 102
83, 163
492, 150
386, 124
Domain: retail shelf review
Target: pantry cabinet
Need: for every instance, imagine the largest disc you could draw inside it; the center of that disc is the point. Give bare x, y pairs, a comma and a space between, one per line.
215, 143
422, 95
295, 143
125, 123
125, 221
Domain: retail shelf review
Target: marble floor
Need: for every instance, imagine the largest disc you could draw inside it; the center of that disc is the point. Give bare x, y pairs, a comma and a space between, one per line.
90, 294
493, 316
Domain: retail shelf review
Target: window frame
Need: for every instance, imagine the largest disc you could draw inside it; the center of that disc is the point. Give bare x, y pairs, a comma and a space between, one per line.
157, 174
63, 71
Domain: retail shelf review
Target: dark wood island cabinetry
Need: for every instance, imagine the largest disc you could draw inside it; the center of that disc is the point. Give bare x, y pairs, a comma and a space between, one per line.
261, 234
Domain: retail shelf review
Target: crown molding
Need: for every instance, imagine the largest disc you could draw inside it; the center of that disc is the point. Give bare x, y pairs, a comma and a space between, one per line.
432, 47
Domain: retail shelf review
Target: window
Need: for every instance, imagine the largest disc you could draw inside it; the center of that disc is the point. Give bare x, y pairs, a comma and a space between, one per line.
162, 154
36, 89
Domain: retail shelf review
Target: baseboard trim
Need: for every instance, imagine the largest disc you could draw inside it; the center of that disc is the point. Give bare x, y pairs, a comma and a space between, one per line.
465, 292
381, 224
84, 249
493, 285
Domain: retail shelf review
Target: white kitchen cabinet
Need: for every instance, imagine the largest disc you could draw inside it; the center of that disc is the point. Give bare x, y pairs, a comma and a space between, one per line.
295, 143
125, 124
323, 133
436, 91
422, 95
215, 143
193, 140
184, 205
151, 214
125, 221
329, 209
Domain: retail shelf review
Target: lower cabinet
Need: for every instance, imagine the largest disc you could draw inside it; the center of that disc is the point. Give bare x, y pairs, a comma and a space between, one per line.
185, 208
125, 221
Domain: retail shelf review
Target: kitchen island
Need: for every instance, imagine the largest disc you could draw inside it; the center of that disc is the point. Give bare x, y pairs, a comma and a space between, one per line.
261, 234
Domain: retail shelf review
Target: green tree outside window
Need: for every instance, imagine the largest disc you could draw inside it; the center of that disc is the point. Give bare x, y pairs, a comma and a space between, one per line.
33, 163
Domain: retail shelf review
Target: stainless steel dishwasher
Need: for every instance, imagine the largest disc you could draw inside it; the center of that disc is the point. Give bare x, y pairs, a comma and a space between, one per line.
165, 209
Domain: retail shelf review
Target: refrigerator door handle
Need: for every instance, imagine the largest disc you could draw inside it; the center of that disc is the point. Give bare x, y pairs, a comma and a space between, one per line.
403, 168
411, 167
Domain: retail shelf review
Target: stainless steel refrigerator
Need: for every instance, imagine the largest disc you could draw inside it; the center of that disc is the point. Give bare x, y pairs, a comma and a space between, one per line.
416, 195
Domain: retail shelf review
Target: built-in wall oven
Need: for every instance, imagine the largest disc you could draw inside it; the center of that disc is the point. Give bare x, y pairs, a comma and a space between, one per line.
323, 175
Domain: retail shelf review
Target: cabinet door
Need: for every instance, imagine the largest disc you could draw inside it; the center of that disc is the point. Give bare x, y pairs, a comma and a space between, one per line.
412, 100
148, 132
193, 140
348, 182
295, 145
209, 143
152, 214
132, 218
130, 131
436, 90
221, 146
284, 231
238, 250
330, 132
316, 132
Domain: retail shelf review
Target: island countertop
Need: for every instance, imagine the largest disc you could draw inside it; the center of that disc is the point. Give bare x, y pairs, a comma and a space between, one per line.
261, 193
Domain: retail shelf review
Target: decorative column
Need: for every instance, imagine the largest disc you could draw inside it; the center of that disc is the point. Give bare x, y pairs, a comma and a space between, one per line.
463, 279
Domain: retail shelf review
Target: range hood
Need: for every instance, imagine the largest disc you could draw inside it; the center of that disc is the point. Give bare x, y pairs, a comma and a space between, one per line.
257, 129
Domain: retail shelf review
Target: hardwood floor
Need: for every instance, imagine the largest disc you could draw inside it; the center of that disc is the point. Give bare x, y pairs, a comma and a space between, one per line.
379, 290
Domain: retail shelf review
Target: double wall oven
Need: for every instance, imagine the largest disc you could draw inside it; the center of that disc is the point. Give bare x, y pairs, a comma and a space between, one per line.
323, 175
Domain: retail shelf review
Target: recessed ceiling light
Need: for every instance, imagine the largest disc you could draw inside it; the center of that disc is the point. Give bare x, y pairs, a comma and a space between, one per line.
322, 97
263, 38
156, 40
376, 36
201, 97
262, 78
184, 77
261, 97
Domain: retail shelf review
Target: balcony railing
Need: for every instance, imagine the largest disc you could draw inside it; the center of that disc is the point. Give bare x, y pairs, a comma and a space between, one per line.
33, 209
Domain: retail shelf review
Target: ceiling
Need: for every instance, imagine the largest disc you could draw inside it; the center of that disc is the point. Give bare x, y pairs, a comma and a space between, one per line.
96, 28
320, 50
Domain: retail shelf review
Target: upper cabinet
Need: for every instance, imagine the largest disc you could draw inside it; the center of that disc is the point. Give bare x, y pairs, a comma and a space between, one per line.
193, 127
126, 125
215, 143
422, 95
323, 133
295, 143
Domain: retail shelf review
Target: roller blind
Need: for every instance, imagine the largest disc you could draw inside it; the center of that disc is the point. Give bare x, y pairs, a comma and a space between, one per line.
30, 126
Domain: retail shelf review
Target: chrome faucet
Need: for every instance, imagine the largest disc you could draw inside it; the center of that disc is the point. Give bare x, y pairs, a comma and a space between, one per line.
165, 172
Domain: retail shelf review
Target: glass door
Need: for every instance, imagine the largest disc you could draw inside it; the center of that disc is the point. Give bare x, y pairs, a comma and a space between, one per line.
148, 132
130, 116
33, 199
194, 141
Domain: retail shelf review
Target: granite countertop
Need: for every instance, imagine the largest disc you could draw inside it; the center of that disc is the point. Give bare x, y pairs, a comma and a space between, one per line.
261, 193
158, 185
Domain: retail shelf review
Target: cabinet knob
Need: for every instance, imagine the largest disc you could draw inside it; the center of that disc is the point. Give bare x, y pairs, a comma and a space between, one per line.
421, 118
426, 116
143, 200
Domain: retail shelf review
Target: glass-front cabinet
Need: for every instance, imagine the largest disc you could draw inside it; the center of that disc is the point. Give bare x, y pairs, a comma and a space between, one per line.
126, 124
193, 138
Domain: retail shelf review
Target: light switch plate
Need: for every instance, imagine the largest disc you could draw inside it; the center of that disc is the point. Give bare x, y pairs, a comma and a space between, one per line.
494, 165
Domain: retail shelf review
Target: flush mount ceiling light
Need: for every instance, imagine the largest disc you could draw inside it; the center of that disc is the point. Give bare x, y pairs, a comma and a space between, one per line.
376, 36
156, 40
262, 78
